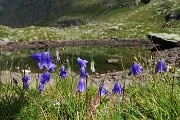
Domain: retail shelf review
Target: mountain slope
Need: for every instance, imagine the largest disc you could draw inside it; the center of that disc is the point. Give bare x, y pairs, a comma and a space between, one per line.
100, 22
20, 13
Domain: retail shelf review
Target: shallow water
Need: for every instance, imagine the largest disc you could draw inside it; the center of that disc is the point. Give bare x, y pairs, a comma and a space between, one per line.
13, 60
17, 61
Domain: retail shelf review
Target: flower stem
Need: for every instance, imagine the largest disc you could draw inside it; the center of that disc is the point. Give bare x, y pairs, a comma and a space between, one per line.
172, 88
86, 97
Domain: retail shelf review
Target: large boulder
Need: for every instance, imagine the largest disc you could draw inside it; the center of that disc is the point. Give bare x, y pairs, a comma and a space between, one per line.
164, 39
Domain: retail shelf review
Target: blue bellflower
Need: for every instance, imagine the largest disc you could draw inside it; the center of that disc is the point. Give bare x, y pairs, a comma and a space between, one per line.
117, 88
136, 69
36, 56
81, 85
44, 78
41, 87
83, 72
63, 73
161, 67
51, 69
101, 90
44, 60
25, 80
81, 63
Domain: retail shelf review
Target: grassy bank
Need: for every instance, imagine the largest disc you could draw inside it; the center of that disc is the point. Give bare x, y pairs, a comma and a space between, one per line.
157, 98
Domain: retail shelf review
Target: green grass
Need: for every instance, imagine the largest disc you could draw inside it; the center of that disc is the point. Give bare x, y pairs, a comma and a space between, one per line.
133, 22
150, 96
153, 99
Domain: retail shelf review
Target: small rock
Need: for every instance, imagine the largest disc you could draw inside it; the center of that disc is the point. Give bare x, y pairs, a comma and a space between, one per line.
113, 28
112, 60
111, 79
115, 77
4, 41
102, 75
96, 73
170, 60
98, 77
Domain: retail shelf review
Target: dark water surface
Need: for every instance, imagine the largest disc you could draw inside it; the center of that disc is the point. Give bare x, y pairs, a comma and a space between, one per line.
11, 61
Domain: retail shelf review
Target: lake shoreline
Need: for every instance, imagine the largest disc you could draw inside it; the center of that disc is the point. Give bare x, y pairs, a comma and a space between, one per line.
169, 54
135, 43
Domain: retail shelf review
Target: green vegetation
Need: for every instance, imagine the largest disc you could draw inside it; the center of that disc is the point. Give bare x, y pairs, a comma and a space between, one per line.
149, 96
127, 22
156, 96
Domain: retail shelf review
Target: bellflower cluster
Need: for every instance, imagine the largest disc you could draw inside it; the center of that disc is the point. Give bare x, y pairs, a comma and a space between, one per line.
25, 80
63, 73
117, 88
44, 60
135, 69
101, 90
161, 67
44, 78
82, 64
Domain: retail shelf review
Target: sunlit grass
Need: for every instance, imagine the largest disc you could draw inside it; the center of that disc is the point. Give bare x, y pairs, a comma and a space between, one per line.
149, 95
154, 99
134, 22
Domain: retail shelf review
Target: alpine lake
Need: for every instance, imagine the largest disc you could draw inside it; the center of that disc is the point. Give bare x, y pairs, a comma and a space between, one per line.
106, 59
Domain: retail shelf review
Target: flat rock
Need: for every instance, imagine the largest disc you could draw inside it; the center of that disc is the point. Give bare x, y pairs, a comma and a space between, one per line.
169, 40
112, 61
4, 41
113, 28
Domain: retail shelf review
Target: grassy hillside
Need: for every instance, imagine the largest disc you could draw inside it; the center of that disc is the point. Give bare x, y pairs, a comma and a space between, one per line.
127, 22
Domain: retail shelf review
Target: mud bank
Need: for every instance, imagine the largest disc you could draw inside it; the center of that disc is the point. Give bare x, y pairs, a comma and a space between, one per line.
10, 46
